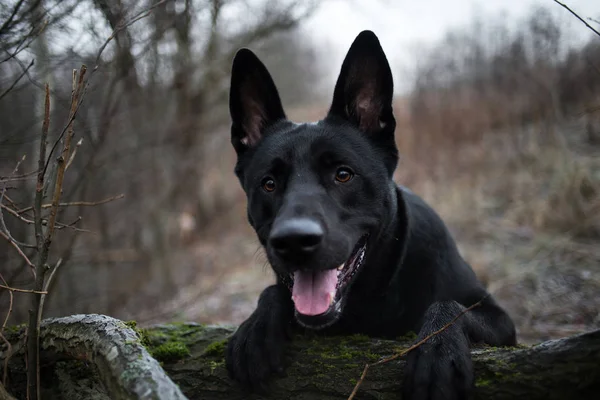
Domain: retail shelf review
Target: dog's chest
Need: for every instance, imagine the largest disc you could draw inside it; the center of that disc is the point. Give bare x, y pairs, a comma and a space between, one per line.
381, 316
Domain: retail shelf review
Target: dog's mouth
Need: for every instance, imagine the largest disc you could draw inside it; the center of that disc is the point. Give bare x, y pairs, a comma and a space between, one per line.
318, 294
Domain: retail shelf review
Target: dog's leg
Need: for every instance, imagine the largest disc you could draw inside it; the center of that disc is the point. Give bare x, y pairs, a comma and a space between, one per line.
257, 347
441, 368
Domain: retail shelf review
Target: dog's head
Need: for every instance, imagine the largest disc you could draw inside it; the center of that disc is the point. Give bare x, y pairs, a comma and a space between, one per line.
317, 192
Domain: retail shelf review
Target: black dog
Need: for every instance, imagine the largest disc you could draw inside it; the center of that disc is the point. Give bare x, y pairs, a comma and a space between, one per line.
352, 251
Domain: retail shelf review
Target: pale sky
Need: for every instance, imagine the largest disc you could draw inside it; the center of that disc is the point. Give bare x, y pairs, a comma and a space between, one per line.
402, 25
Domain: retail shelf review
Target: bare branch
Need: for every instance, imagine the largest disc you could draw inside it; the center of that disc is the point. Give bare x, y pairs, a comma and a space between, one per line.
11, 289
4, 229
74, 109
76, 203
73, 154
78, 85
4, 395
45, 291
40, 311
577, 16
44, 242
8, 345
39, 188
11, 87
24, 44
59, 225
8, 23
139, 16
16, 246
13, 178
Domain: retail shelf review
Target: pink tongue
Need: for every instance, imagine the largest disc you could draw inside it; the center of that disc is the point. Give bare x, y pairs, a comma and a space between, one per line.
313, 290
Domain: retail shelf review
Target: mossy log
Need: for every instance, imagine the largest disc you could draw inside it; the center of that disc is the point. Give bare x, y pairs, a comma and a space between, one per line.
122, 362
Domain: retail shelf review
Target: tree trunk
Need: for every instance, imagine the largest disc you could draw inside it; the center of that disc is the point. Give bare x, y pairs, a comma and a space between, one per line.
319, 367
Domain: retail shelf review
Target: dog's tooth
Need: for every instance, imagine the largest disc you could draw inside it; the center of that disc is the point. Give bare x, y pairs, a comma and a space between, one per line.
331, 296
341, 267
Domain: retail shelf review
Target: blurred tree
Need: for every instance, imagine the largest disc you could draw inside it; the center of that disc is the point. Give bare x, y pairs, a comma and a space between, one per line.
152, 112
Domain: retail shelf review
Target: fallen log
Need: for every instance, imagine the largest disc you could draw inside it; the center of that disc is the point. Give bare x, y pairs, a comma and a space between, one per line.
319, 367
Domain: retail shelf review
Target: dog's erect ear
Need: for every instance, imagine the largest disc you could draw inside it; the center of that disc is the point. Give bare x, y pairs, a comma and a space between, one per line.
364, 90
254, 102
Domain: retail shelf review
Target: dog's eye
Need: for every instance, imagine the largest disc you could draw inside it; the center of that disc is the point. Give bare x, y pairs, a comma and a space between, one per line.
268, 184
343, 174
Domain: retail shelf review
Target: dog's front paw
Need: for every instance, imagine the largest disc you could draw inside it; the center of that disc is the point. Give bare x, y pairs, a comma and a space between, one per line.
441, 368
256, 350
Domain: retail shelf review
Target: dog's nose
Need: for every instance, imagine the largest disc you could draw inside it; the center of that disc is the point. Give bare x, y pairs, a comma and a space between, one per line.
296, 236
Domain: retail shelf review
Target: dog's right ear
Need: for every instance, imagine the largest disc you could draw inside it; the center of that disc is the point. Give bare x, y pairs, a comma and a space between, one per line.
254, 102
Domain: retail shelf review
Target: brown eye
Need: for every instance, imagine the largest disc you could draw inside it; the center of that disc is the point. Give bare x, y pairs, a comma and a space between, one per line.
343, 175
268, 184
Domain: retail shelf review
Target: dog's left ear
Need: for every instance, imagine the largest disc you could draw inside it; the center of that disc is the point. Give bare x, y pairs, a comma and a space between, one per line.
365, 88
254, 102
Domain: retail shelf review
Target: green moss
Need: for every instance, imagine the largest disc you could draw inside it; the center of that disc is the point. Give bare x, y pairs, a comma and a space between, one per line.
216, 349
170, 343
131, 324
170, 351
358, 338
339, 353
482, 382
142, 335
407, 337
15, 329
215, 364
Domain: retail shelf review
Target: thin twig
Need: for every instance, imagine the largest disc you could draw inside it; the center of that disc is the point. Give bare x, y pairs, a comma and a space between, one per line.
143, 14
12, 289
73, 153
33, 372
17, 177
138, 17
11, 239
69, 124
4, 395
39, 187
21, 253
76, 203
11, 201
25, 43
39, 313
59, 225
578, 17
15, 214
8, 23
45, 291
11, 87
411, 348
9, 307
8, 345
78, 83
3, 228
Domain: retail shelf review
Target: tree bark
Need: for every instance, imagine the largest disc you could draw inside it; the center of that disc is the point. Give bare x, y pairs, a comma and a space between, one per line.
319, 368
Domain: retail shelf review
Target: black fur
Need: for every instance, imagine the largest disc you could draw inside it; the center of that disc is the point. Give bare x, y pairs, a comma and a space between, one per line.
412, 277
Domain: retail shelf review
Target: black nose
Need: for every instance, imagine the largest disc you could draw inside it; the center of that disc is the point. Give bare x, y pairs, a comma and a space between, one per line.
296, 237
